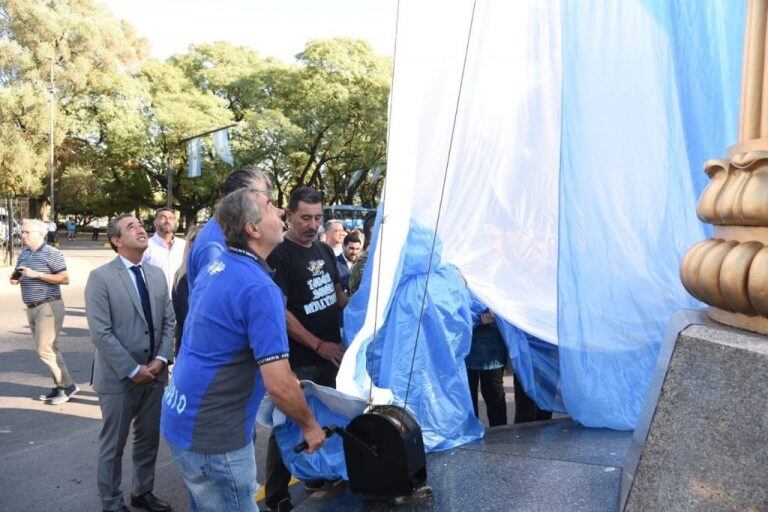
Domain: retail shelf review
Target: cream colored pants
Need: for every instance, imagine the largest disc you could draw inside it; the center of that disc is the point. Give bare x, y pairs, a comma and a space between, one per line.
45, 321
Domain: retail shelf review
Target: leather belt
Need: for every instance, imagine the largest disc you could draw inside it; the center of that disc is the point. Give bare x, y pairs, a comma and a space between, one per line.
41, 302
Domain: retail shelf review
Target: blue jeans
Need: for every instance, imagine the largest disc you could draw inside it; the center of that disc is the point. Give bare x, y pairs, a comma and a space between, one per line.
219, 481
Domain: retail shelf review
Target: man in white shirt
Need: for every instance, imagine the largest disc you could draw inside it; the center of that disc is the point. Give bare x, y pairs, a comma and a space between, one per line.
165, 250
334, 236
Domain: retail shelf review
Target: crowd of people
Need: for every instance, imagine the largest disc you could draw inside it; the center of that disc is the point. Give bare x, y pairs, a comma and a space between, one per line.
244, 306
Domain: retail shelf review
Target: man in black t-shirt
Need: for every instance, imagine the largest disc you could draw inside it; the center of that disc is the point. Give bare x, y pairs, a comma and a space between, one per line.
305, 270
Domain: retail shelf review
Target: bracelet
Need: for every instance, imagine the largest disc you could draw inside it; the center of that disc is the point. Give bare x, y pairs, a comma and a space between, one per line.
317, 348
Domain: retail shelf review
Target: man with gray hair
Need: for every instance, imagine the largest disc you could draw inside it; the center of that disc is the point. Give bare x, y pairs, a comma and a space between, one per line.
334, 236
41, 270
210, 242
235, 348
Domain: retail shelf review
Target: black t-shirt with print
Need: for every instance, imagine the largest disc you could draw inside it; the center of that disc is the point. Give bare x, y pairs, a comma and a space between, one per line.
308, 276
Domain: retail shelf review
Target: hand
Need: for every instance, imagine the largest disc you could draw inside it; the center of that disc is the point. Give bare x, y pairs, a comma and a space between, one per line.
314, 436
143, 375
487, 318
331, 351
28, 272
155, 367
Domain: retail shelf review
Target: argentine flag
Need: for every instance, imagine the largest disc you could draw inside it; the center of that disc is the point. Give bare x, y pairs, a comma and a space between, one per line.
566, 138
194, 158
221, 146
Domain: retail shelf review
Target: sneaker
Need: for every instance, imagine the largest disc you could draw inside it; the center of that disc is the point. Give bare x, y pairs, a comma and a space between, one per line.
285, 505
53, 394
64, 394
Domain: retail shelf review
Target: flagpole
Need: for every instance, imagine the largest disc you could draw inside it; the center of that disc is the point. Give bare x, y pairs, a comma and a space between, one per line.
169, 190
169, 195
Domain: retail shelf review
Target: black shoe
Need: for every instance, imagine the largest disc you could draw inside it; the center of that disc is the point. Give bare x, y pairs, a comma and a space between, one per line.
314, 485
285, 505
53, 394
149, 501
122, 508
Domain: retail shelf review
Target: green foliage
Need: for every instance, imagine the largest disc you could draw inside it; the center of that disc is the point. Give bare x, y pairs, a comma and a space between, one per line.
121, 119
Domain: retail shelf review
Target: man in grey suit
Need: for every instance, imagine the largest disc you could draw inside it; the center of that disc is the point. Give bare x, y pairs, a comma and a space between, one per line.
131, 321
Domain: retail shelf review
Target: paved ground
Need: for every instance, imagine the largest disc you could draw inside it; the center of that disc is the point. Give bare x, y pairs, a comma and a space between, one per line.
48, 453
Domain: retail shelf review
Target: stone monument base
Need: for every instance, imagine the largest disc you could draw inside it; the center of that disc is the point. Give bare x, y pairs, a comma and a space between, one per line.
706, 437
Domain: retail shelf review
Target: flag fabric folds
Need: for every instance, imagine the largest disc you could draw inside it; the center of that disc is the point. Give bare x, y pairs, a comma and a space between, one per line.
568, 154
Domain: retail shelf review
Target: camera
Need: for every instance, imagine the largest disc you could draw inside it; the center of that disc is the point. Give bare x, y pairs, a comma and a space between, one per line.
16, 274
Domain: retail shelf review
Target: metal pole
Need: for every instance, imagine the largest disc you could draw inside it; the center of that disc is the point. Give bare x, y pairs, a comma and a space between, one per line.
170, 181
9, 211
53, 96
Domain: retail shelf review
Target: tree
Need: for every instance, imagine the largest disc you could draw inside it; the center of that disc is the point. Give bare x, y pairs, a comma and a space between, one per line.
314, 123
89, 52
342, 107
177, 110
120, 118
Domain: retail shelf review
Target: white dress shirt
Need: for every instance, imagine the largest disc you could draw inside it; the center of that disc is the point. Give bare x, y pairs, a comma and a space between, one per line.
128, 264
168, 259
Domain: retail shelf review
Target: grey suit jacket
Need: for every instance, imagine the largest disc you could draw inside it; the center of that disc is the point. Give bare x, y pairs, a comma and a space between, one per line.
118, 327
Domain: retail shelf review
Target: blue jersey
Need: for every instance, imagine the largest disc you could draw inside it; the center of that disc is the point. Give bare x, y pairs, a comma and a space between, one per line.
236, 323
209, 244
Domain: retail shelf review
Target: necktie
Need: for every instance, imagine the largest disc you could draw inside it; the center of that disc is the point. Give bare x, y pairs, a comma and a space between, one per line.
145, 305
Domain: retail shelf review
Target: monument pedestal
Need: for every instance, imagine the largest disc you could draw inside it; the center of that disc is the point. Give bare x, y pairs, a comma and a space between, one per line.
703, 444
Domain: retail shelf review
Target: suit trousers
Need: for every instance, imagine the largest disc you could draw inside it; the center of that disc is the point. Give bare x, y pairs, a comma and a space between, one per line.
139, 405
278, 476
45, 322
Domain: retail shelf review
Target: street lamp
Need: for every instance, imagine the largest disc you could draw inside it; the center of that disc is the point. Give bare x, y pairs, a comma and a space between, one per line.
53, 111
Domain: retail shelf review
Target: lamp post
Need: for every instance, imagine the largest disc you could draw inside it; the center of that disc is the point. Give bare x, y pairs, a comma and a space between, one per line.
53, 165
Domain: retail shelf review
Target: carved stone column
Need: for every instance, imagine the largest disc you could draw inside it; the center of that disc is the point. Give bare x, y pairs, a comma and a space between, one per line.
730, 271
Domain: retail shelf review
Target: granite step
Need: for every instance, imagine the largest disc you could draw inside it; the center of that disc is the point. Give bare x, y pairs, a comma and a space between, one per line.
547, 465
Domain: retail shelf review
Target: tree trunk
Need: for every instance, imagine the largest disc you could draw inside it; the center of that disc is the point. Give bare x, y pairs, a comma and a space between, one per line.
190, 218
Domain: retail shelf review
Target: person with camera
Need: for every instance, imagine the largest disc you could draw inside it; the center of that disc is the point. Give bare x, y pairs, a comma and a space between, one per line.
41, 270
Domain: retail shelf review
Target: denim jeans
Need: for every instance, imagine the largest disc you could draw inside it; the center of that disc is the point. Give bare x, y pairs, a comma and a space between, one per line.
219, 481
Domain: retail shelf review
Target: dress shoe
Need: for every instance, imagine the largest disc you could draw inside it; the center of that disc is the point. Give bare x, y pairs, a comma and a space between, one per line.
149, 501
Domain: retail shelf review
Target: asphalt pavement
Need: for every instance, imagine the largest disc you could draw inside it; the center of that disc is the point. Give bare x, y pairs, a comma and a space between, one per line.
48, 453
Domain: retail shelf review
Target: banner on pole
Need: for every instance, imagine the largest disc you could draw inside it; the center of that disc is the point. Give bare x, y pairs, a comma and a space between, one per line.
194, 158
221, 146
376, 172
355, 178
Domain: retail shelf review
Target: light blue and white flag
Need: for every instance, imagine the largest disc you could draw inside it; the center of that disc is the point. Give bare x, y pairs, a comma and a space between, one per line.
575, 142
221, 146
376, 172
355, 178
194, 158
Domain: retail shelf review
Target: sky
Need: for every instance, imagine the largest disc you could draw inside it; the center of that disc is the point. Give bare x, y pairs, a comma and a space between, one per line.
277, 28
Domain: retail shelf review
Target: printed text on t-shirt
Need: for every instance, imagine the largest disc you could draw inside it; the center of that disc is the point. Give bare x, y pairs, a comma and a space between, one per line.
323, 293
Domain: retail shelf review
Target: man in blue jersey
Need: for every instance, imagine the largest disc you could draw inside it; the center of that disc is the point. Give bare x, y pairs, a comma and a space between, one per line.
210, 242
235, 348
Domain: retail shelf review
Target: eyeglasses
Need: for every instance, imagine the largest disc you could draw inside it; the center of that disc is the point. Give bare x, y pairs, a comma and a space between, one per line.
265, 193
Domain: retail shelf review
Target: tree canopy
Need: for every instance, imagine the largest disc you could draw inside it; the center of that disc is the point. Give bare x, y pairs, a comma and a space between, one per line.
120, 118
